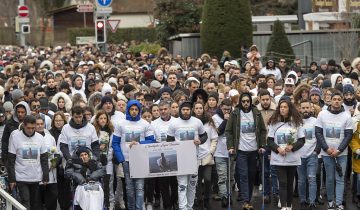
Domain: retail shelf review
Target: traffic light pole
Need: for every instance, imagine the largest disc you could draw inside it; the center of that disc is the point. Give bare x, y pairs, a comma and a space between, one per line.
22, 36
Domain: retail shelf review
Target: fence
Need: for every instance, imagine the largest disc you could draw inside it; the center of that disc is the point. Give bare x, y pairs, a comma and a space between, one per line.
10, 201
327, 44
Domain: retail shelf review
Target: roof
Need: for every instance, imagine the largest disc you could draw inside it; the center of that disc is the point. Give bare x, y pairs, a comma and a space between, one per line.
271, 19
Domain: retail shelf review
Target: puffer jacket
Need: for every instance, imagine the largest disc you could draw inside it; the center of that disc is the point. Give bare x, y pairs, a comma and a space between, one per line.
81, 172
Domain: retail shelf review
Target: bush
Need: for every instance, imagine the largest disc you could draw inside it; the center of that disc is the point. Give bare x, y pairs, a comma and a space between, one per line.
121, 35
149, 48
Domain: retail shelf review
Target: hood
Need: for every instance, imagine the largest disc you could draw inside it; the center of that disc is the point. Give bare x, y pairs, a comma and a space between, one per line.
27, 108
92, 98
295, 74
76, 126
67, 99
333, 79
242, 96
129, 104
355, 62
299, 89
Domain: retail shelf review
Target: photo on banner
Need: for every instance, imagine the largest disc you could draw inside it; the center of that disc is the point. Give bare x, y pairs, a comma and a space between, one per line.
163, 159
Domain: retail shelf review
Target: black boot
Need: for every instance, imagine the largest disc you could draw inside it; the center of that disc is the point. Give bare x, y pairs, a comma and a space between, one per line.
207, 204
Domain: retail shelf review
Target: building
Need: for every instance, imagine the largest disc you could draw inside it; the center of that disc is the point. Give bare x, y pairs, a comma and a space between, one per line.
331, 14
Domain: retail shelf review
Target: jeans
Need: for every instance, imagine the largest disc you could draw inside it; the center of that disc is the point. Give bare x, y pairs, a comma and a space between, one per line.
246, 166
29, 195
204, 172
108, 187
332, 175
286, 176
186, 191
223, 175
307, 171
270, 170
134, 189
49, 194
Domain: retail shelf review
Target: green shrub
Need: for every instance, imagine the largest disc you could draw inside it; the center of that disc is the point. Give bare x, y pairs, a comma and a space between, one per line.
149, 48
121, 35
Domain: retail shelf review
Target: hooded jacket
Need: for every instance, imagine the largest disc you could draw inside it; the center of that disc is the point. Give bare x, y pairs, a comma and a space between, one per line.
116, 141
94, 96
232, 130
10, 126
67, 99
333, 79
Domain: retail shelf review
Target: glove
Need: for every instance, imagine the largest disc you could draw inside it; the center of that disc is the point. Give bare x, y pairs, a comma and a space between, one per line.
69, 162
357, 151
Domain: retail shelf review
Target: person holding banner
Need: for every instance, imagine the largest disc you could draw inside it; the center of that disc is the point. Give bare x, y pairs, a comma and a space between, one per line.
127, 133
186, 128
168, 185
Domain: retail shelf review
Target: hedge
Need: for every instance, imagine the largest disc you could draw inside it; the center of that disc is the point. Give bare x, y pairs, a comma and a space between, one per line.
121, 35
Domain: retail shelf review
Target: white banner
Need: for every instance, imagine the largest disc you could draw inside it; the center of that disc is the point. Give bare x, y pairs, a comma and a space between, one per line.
163, 159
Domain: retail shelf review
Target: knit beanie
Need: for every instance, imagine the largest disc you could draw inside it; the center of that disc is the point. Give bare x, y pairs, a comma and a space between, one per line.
348, 89
315, 91
17, 94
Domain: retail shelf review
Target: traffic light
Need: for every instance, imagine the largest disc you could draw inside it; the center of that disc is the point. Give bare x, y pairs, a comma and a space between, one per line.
100, 31
25, 28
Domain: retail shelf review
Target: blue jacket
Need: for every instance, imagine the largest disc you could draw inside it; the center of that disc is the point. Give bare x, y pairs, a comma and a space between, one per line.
116, 141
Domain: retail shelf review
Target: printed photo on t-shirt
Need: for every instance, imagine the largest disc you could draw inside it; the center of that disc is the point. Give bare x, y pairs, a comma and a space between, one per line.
332, 132
30, 153
186, 134
247, 127
163, 132
283, 138
308, 133
132, 136
77, 142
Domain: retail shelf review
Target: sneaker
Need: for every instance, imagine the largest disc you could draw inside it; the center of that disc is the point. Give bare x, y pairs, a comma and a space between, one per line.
275, 200
303, 206
312, 206
149, 206
247, 206
279, 204
283, 208
216, 197
319, 201
340, 207
260, 187
288, 208
331, 205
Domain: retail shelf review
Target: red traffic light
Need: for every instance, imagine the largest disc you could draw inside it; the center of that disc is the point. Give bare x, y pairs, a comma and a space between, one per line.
100, 24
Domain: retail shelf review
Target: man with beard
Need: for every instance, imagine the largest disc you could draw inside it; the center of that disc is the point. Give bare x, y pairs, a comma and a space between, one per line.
350, 102
266, 107
309, 158
246, 133
315, 96
178, 130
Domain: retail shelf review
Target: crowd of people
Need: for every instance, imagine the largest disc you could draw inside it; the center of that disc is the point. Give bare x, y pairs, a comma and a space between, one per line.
70, 115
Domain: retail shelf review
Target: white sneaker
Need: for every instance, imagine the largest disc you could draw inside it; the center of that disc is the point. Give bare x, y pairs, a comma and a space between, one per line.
149, 206
260, 187
279, 205
288, 208
283, 208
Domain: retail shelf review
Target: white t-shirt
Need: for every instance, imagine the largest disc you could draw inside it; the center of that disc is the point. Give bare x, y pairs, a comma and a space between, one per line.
161, 128
276, 72
333, 126
27, 151
247, 141
282, 134
84, 136
310, 140
184, 130
204, 149
221, 147
132, 131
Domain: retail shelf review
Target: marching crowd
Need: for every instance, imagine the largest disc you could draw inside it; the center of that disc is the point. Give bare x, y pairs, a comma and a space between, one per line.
70, 115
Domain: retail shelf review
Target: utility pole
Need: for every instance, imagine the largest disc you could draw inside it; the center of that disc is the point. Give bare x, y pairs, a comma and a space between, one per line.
22, 36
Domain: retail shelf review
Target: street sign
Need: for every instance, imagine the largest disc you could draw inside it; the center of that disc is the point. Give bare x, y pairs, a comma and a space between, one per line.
24, 20
84, 40
104, 3
113, 25
85, 8
23, 11
104, 10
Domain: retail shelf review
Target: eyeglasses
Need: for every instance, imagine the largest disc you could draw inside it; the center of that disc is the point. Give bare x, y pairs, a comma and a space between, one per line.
35, 107
281, 61
245, 101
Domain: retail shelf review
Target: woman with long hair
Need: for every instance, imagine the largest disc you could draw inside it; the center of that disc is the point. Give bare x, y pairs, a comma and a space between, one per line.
104, 129
206, 152
285, 137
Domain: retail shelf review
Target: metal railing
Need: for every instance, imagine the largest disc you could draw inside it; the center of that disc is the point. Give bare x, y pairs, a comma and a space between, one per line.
10, 201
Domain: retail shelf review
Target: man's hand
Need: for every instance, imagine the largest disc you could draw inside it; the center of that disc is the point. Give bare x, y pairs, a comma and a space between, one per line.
12, 185
45, 183
197, 142
330, 151
133, 143
288, 148
226, 116
281, 151
335, 153
262, 150
231, 151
